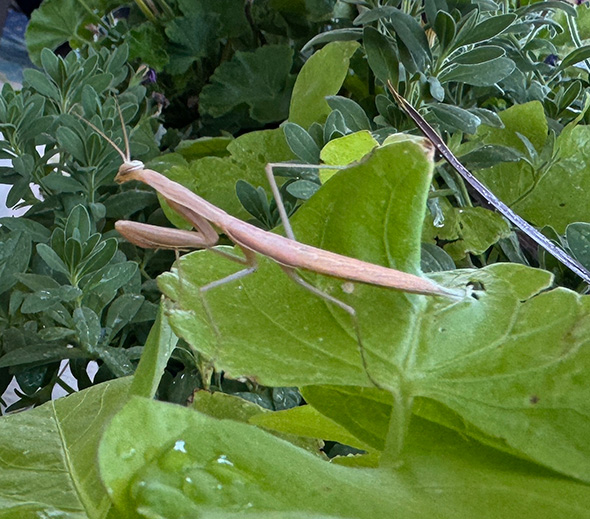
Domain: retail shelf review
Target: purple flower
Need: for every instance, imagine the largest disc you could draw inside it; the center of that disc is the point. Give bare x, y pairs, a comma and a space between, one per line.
551, 60
149, 77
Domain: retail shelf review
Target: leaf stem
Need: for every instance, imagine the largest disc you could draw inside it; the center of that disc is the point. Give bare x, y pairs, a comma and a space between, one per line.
399, 423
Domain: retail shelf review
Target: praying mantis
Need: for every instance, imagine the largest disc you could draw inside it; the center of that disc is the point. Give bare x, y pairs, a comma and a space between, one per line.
288, 253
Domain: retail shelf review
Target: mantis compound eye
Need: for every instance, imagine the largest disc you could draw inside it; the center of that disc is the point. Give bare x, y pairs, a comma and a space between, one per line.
134, 165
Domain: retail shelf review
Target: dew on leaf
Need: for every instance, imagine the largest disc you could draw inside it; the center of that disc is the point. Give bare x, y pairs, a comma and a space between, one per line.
180, 445
224, 461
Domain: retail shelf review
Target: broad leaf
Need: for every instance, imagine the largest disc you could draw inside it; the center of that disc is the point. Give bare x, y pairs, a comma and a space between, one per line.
195, 35
186, 464
392, 175
555, 194
53, 24
259, 79
48, 455
511, 341
321, 76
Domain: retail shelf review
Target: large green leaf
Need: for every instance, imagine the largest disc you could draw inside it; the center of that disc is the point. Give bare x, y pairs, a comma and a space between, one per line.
187, 464
54, 23
509, 359
374, 212
48, 456
321, 76
194, 35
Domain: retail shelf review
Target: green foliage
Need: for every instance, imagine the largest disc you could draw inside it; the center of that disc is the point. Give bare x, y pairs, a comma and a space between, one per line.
260, 79
68, 291
54, 457
235, 57
322, 76
534, 186
446, 408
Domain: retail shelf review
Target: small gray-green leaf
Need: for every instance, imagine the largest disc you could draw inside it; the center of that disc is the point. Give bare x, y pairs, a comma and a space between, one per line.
578, 240
488, 117
482, 74
575, 56
354, 116
253, 200
436, 89
34, 230
301, 143
78, 224
59, 183
88, 327
52, 259
406, 28
435, 259
302, 189
445, 28
41, 83
71, 143
40, 354
381, 55
15, 252
100, 256
456, 118
348, 34
489, 28
335, 124
490, 155
480, 55
46, 298
121, 311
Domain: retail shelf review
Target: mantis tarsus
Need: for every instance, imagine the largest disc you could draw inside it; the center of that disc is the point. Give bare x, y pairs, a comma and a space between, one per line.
285, 251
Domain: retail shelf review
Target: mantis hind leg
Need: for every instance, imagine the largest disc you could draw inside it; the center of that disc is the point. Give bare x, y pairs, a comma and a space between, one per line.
292, 273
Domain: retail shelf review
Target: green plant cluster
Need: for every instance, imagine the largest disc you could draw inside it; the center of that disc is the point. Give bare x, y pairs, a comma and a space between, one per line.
445, 408
224, 66
69, 290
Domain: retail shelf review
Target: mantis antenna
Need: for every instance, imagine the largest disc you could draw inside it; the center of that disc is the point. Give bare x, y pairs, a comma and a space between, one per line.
126, 158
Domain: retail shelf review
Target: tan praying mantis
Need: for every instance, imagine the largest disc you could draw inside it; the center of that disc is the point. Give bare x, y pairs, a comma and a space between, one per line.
288, 253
